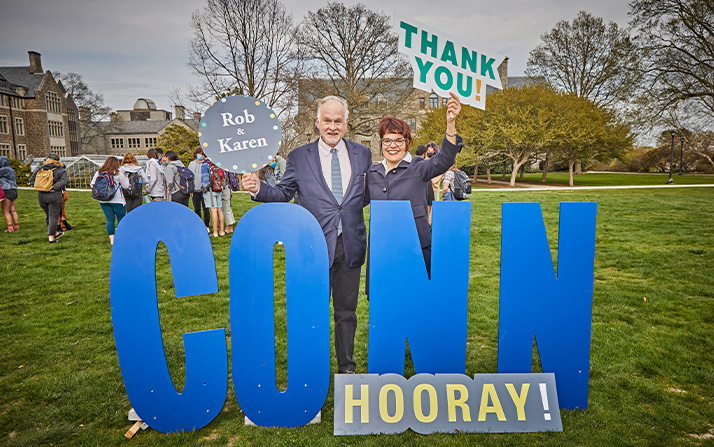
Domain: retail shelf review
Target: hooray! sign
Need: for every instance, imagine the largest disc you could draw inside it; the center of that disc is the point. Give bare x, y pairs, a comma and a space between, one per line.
240, 133
443, 64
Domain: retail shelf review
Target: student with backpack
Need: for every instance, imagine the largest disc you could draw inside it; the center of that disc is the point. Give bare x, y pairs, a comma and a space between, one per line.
49, 180
107, 187
214, 181
136, 177
457, 185
179, 179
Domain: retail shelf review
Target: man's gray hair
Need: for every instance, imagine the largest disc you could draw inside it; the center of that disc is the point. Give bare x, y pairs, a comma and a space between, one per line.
333, 98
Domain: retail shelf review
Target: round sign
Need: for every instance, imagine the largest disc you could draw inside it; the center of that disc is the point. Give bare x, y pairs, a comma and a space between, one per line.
240, 134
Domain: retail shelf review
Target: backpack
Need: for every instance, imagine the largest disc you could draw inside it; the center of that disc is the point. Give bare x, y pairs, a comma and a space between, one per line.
217, 178
186, 178
134, 190
44, 180
461, 186
233, 182
104, 187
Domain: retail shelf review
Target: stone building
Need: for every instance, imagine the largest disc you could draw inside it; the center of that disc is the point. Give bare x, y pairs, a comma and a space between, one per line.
136, 130
37, 115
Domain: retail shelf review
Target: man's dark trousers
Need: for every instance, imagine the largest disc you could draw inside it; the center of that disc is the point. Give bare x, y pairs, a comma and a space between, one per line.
344, 286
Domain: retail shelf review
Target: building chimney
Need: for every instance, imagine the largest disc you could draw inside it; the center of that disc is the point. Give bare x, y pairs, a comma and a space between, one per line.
503, 73
197, 117
180, 112
35, 62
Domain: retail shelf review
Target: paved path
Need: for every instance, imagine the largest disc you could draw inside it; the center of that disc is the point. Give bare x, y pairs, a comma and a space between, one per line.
504, 186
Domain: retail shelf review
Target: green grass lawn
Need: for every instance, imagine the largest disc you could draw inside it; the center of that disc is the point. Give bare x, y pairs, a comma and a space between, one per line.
652, 359
612, 179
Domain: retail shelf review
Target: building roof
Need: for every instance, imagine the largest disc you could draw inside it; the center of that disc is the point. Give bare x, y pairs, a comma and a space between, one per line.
144, 104
22, 77
141, 127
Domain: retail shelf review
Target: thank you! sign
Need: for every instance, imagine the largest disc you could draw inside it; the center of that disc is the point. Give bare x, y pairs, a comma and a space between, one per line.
444, 64
240, 133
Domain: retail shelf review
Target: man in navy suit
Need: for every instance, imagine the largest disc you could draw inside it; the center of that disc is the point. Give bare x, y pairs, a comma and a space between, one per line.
329, 177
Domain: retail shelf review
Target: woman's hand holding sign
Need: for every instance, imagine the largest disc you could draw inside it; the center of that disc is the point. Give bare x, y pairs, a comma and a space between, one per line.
453, 108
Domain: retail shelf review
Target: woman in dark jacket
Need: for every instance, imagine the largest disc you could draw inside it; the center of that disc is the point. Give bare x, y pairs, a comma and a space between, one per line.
401, 177
51, 201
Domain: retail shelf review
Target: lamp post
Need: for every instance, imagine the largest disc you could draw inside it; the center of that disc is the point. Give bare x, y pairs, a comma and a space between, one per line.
671, 159
681, 153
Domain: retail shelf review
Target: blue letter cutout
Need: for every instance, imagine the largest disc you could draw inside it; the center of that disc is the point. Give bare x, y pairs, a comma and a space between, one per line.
252, 315
534, 302
404, 303
135, 316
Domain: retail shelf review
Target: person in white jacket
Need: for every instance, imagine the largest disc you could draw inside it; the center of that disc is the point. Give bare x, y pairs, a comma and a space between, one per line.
156, 185
197, 197
115, 208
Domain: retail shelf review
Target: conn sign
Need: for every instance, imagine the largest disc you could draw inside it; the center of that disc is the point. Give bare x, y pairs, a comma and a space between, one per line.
440, 397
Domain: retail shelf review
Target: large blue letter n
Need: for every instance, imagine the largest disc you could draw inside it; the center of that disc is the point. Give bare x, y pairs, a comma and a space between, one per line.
405, 304
557, 310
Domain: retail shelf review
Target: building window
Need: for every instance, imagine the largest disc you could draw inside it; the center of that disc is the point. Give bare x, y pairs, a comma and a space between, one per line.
3, 101
17, 103
3, 124
443, 102
117, 143
422, 101
59, 150
21, 152
52, 101
134, 142
5, 149
56, 129
19, 126
150, 142
412, 124
71, 115
433, 101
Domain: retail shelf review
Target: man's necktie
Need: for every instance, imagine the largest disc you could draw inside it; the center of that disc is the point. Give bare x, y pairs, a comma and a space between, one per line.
336, 183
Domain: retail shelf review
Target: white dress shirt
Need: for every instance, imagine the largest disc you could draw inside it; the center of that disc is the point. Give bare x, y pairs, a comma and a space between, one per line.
326, 162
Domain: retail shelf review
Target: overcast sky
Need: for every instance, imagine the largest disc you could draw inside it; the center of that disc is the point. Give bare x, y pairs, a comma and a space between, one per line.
131, 49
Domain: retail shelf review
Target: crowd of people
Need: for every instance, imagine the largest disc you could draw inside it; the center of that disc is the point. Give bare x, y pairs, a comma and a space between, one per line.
335, 194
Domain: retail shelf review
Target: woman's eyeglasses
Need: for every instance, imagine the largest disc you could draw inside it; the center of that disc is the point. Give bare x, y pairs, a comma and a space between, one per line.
399, 142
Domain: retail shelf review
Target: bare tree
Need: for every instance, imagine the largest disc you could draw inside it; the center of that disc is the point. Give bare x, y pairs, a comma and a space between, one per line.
93, 112
677, 39
351, 52
588, 58
244, 47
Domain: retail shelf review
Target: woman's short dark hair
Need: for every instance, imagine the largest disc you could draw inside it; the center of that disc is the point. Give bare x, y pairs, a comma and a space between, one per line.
151, 153
392, 124
171, 155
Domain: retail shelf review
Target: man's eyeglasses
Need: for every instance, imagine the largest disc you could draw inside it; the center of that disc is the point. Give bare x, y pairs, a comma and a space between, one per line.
399, 142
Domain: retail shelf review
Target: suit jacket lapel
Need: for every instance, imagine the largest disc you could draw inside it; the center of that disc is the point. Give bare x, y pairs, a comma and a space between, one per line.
354, 163
313, 159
